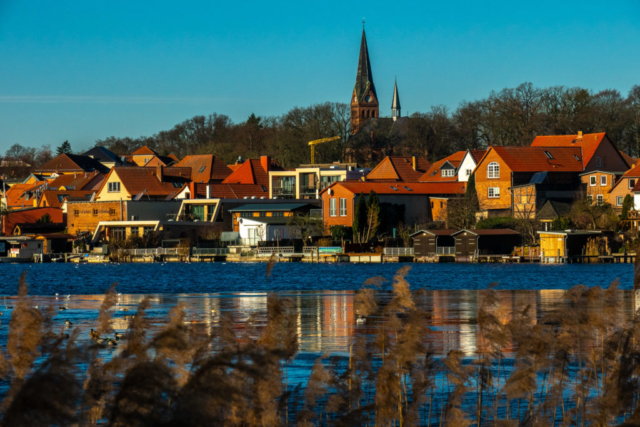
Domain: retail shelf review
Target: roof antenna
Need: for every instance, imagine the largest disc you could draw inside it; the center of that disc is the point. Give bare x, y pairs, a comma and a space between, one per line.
363, 23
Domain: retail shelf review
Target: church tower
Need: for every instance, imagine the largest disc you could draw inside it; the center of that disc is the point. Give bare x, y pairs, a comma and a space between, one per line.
364, 101
395, 104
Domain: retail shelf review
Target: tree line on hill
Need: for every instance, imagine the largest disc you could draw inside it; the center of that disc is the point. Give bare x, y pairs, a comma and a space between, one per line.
510, 117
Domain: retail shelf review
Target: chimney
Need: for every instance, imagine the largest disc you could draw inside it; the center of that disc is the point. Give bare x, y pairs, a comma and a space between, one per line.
159, 172
208, 191
414, 163
265, 162
579, 134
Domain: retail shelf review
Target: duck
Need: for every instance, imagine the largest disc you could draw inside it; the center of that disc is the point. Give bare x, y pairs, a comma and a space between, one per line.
111, 342
9, 307
94, 335
361, 319
118, 335
68, 323
62, 308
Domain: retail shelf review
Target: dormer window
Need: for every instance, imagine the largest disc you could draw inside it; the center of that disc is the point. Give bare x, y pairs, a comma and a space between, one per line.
447, 172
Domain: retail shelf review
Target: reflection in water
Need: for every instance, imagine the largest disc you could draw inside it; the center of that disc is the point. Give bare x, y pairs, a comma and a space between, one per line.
325, 320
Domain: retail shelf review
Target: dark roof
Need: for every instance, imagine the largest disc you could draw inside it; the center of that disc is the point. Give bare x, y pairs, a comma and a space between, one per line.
364, 78
435, 232
553, 209
37, 228
102, 154
258, 207
72, 163
489, 232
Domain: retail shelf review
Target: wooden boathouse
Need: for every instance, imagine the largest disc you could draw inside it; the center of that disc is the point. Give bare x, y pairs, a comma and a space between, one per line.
492, 243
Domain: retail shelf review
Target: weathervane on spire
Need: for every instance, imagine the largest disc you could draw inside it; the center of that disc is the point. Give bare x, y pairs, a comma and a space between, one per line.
363, 22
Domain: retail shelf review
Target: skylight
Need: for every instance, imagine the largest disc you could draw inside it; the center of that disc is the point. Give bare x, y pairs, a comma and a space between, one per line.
201, 169
393, 188
407, 188
548, 154
576, 157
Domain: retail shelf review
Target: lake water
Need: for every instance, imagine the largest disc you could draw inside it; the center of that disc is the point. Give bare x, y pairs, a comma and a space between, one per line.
191, 278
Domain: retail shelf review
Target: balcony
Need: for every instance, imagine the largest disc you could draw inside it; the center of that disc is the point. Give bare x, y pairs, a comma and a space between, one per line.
284, 192
309, 191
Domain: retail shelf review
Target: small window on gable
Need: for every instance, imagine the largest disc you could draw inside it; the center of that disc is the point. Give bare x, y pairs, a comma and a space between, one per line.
598, 162
548, 154
493, 170
632, 183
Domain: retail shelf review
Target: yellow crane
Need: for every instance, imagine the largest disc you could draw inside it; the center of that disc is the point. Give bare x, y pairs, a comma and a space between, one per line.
313, 144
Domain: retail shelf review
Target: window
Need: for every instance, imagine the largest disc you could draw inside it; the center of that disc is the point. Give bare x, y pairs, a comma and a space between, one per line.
576, 157
112, 211
407, 188
441, 205
468, 172
493, 170
632, 183
135, 231
95, 212
548, 154
619, 200
277, 214
201, 169
432, 204
117, 233
343, 207
447, 172
146, 231
393, 188
598, 162
590, 198
494, 192
603, 180
246, 214
332, 207
600, 199
592, 180
113, 187
76, 212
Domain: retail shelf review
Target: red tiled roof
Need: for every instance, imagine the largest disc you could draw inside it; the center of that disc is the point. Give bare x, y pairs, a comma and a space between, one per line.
234, 167
206, 168
15, 192
399, 168
155, 161
534, 159
403, 188
477, 154
630, 160
251, 172
434, 175
138, 180
230, 191
144, 151
71, 163
589, 143
79, 182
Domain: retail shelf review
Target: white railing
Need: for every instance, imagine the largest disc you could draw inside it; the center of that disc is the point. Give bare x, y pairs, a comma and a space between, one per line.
276, 250
446, 250
210, 251
398, 251
140, 252
156, 251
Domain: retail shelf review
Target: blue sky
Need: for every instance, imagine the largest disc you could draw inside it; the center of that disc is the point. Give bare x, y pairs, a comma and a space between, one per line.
86, 70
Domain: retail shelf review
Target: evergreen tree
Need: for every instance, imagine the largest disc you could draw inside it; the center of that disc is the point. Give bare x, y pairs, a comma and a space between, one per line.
627, 205
470, 194
65, 148
360, 218
373, 215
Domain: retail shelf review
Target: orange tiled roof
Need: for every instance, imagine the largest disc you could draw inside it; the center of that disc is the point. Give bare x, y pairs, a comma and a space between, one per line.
634, 172
434, 174
206, 168
15, 192
251, 172
78, 182
234, 167
399, 168
404, 188
534, 159
589, 143
144, 151
138, 180
477, 155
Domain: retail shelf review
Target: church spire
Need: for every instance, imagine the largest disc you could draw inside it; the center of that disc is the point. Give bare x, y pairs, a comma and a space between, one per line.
364, 78
395, 104
364, 100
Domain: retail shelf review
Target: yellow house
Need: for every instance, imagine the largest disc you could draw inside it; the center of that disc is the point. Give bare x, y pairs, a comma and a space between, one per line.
131, 183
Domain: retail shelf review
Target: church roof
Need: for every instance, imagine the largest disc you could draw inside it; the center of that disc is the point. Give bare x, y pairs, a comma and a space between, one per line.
395, 104
364, 78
